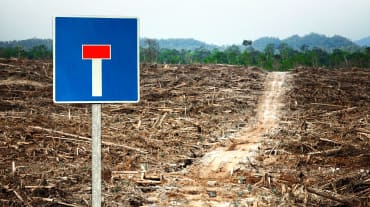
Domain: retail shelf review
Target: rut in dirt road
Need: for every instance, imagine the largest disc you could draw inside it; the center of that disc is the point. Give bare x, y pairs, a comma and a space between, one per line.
211, 180
223, 161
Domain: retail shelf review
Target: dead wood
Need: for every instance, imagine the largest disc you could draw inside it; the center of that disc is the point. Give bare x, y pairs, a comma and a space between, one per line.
20, 198
87, 139
56, 202
339, 111
325, 152
184, 110
333, 196
326, 130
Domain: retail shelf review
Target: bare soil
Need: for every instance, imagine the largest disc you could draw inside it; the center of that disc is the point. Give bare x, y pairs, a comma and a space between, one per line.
218, 171
202, 135
45, 147
322, 153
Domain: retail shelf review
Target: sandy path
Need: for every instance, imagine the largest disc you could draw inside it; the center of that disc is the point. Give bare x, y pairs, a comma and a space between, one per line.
219, 164
223, 161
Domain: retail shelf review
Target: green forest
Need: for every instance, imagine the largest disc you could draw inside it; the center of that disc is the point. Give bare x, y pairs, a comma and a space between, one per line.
36, 52
272, 57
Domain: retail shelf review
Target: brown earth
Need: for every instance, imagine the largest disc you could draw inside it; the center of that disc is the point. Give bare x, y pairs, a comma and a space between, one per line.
285, 139
45, 147
218, 169
321, 155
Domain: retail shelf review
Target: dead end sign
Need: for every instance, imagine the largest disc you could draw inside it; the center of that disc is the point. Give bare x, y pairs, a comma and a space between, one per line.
96, 60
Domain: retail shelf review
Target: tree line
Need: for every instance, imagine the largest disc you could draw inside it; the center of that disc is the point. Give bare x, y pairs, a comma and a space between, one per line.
36, 52
281, 57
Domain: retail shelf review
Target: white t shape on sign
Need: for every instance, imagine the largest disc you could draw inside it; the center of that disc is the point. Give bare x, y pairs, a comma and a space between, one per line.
96, 53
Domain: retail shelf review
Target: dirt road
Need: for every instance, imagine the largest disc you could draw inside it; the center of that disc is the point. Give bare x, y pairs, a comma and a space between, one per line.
223, 161
209, 182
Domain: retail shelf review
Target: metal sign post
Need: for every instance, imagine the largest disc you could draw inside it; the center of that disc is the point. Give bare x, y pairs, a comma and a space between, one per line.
96, 155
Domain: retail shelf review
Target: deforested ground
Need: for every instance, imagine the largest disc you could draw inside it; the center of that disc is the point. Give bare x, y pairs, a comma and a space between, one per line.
305, 134
45, 147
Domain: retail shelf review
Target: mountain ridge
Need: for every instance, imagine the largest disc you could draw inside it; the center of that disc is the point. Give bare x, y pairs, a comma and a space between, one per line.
364, 42
310, 41
182, 43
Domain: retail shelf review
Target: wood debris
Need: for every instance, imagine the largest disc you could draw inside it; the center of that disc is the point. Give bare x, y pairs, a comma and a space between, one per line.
183, 111
325, 131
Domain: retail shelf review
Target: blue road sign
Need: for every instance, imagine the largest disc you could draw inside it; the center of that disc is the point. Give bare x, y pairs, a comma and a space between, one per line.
96, 60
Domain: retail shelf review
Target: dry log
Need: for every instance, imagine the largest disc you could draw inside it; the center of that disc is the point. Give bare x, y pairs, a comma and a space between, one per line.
56, 201
39, 186
88, 139
7, 65
61, 133
325, 152
20, 198
363, 130
148, 182
125, 172
333, 196
339, 111
328, 140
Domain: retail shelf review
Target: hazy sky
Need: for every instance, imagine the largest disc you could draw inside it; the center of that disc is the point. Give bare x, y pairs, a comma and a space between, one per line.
212, 21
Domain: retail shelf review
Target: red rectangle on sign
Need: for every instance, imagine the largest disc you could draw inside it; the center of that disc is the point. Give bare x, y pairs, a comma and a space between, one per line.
96, 52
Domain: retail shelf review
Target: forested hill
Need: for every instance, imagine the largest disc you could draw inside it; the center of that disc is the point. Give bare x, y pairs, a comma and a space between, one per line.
296, 42
364, 42
182, 44
27, 44
309, 41
178, 44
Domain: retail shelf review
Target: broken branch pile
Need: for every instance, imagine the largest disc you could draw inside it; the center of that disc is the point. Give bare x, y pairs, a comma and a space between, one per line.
45, 147
324, 141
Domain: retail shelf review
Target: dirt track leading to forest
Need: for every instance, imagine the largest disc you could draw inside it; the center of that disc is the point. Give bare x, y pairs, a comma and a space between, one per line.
223, 161
219, 164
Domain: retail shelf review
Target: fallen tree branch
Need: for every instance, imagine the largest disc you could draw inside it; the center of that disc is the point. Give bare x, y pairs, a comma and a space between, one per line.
329, 140
325, 152
39, 186
20, 198
61, 133
87, 139
339, 111
57, 202
332, 196
17, 195
363, 130
8, 65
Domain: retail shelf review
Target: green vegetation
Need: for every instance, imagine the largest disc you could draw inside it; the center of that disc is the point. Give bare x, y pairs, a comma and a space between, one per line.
312, 40
181, 43
276, 55
281, 57
27, 44
36, 52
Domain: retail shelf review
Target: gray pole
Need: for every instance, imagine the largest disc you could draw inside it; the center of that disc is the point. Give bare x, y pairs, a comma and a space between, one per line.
96, 155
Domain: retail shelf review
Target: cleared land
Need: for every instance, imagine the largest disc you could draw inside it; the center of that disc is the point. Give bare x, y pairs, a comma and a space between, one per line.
184, 110
305, 135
